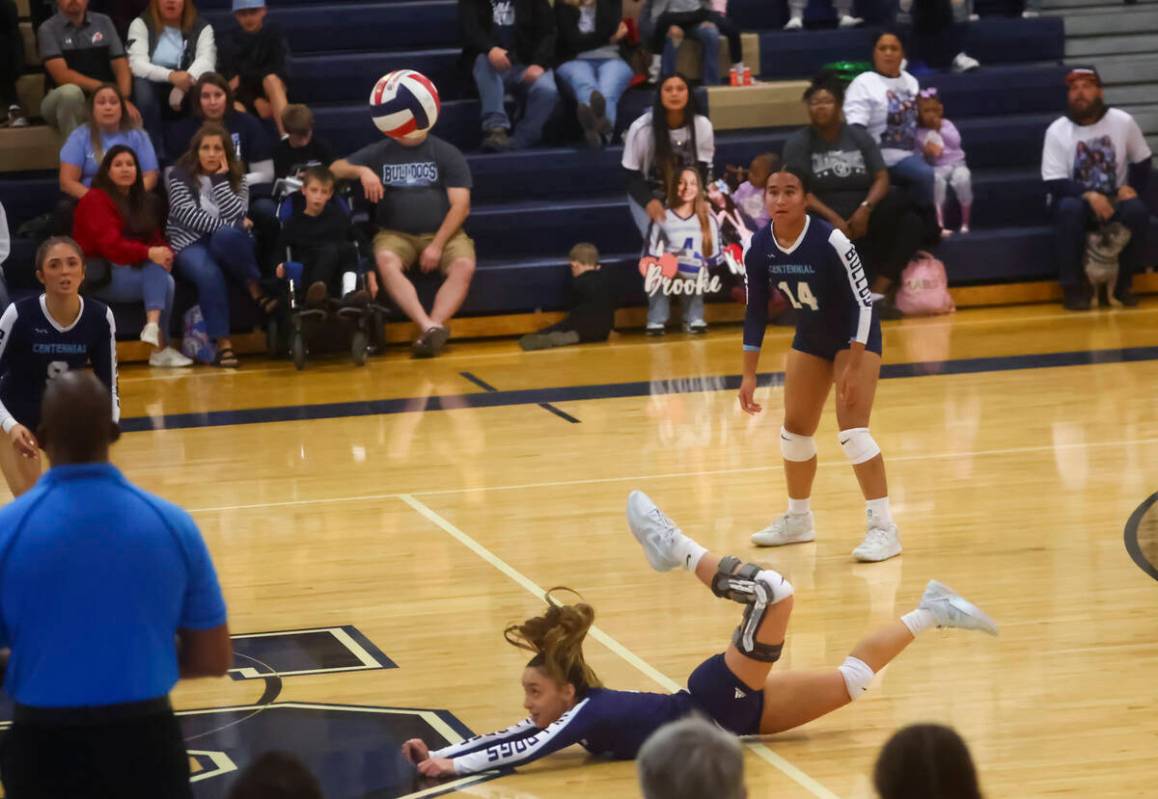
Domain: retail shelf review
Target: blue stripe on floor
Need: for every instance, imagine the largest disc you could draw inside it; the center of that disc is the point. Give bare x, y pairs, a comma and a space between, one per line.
540, 396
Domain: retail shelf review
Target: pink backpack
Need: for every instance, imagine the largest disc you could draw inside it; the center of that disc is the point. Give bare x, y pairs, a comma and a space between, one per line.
924, 289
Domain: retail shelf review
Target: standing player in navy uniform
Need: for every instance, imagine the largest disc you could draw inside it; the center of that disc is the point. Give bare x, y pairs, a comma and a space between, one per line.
737, 689
837, 337
41, 338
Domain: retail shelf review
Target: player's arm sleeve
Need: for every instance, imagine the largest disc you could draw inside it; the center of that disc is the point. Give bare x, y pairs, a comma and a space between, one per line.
104, 361
7, 322
861, 298
756, 288
203, 606
571, 727
465, 747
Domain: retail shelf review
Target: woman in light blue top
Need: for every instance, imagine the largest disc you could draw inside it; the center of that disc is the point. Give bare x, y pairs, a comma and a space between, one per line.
84, 149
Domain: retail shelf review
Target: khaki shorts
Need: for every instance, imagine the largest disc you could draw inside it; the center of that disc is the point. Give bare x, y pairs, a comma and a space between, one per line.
408, 247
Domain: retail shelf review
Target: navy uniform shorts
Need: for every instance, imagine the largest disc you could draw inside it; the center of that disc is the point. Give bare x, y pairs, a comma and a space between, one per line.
817, 335
725, 698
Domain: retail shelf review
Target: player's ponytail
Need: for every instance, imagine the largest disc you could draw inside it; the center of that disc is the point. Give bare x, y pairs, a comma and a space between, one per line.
556, 638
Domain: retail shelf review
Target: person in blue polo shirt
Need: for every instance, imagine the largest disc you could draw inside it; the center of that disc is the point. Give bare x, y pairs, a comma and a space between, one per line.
107, 597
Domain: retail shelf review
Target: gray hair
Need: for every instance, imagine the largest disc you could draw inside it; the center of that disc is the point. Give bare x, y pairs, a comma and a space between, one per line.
691, 759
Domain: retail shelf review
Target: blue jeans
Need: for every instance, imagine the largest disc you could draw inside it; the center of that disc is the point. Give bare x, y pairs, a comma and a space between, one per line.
149, 283
148, 97
916, 174
493, 85
227, 253
609, 76
708, 35
1073, 218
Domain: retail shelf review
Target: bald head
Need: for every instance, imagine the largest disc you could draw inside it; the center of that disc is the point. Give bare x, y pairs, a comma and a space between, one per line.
76, 419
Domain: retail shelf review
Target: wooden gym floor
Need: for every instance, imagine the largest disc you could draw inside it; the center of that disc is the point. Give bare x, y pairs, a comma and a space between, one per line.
426, 503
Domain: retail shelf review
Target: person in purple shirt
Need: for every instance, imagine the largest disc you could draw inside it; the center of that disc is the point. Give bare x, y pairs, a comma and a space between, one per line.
940, 142
568, 704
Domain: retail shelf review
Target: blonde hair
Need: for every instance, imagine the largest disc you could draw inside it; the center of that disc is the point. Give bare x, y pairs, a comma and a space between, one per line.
556, 638
699, 205
584, 253
297, 119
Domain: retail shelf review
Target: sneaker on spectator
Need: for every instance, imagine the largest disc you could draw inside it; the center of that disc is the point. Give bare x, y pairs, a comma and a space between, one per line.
794, 24
1029, 13
497, 140
974, 17
359, 298
169, 358
1075, 298
589, 121
849, 21
16, 118
1127, 298
656, 329
697, 326
316, 294
965, 63
151, 334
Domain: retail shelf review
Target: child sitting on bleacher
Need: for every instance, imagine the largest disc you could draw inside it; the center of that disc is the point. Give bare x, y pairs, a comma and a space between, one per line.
318, 236
749, 195
300, 148
593, 313
940, 142
252, 57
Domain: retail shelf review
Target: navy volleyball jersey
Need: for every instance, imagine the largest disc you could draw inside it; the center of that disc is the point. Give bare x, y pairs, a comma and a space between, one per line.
604, 722
34, 349
822, 276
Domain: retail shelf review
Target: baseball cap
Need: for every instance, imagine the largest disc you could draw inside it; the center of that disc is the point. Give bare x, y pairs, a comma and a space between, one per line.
246, 5
1078, 73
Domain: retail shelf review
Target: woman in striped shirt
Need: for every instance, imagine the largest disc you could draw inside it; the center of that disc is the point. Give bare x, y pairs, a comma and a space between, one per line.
209, 232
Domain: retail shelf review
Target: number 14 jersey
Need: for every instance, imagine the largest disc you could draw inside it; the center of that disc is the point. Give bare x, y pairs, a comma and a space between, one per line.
822, 276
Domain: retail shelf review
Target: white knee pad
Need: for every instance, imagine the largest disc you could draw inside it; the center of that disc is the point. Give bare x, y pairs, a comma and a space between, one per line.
857, 677
858, 445
796, 448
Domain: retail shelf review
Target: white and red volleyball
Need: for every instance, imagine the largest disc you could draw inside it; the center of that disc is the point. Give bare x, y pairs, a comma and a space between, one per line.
404, 103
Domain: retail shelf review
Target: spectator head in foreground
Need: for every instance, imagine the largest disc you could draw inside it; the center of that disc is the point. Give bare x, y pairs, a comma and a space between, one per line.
689, 759
276, 775
926, 761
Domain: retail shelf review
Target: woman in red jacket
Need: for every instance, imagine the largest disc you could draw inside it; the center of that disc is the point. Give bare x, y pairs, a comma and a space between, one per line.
118, 221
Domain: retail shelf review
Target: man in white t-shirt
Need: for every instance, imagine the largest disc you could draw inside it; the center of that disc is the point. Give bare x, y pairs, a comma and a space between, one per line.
1095, 165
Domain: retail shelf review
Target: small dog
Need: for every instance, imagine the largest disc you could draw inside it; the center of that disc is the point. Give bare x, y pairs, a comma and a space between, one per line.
1103, 246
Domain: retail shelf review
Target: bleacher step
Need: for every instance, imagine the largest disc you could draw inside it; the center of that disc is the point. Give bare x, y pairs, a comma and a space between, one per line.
1089, 46
33, 147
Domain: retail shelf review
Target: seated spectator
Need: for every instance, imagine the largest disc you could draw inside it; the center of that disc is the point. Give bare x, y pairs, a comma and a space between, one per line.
81, 51
850, 189
213, 102
590, 66
670, 20
510, 46
691, 759
317, 235
209, 232
276, 775
925, 761
884, 102
662, 141
940, 142
421, 185
5, 249
170, 47
939, 31
11, 66
844, 15
749, 195
119, 221
109, 124
253, 60
1096, 165
301, 147
592, 315
690, 235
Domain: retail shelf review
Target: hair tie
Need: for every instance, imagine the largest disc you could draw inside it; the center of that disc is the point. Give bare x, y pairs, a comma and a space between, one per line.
929, 94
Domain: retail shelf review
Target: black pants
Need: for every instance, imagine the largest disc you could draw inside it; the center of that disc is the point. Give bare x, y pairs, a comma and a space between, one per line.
895, 232
326, 262
1073, 219
11, 53
690, 19
141, 758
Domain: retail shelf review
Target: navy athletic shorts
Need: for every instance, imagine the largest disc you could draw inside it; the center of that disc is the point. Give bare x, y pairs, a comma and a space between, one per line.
817, 336
725, 698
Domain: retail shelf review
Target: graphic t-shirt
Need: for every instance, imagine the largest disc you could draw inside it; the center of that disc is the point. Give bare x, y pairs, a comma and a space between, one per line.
638, 143
1095, 156
842, 171
416, 180
887, 109
503, 18
684, 238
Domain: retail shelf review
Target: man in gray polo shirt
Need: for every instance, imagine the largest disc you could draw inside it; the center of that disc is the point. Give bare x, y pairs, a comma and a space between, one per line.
80, 51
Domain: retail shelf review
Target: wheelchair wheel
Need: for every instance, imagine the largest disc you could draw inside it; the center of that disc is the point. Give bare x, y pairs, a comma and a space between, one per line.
359, 344
272, 343
298, 350
378, 331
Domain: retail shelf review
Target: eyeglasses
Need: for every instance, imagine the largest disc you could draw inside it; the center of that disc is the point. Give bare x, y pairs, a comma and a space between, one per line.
816, 102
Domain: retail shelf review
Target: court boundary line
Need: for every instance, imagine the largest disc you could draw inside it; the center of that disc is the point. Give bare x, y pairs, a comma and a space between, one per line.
798, 776
1133, 547
771, 467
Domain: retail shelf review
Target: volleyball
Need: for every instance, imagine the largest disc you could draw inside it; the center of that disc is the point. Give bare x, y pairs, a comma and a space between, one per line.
404, 103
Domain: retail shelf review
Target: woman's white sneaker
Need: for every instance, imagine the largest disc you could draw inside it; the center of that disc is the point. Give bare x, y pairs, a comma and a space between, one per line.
950, 609
169, 358
880, 543
655, 532
151, 334
787, 528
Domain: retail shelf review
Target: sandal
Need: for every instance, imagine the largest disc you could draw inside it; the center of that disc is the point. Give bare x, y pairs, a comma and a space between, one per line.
226, 358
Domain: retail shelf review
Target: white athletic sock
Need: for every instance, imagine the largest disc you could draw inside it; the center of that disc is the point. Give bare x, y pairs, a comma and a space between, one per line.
690, 553
797, 506
919, 620
878, 512
349, 282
